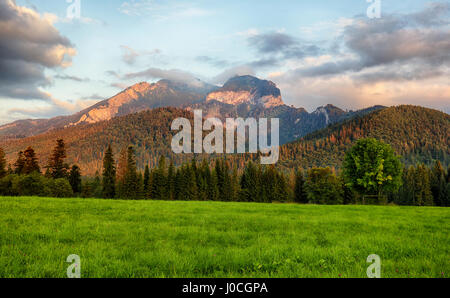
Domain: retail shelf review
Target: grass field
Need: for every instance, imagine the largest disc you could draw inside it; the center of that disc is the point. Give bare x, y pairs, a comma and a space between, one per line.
212, 239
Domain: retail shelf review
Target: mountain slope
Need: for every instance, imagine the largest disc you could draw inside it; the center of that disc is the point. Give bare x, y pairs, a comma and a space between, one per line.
139, 97
241, 96
294, 122
149, 131
417, 134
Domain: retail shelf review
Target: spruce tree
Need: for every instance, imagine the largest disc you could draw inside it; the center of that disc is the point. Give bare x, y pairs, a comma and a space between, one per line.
234, 184
171, 181
282, 194
212, 189
191, 184
58, 168
250, 184
75, 179
300, 195
132, 185
178, 188
422, 189
159, 181
31, 163
146, 179
19, 164
97, 186
121, 171
3, 171
122, 165
268, 185
438, 184
226, 187
109, 175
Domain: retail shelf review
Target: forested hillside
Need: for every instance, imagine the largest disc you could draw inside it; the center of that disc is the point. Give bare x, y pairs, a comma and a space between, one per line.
148, 131
417, 134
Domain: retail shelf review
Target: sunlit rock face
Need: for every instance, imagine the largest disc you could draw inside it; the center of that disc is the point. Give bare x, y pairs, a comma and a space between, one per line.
110, 108
249, 90
144, 96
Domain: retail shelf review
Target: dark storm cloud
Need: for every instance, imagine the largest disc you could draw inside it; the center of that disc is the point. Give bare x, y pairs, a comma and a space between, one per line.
400, 74
420, 41
281, 44
29, 44
263, 63
435, 14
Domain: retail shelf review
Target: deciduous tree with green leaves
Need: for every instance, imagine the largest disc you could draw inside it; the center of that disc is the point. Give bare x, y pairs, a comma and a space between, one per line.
372, 168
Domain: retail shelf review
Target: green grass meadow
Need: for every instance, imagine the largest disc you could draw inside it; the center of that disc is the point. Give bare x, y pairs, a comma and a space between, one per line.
213, 239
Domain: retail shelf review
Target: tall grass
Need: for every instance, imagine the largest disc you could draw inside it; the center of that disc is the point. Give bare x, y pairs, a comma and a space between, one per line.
213, 239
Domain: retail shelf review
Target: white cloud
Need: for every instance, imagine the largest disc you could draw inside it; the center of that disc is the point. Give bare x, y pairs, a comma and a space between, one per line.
163, 10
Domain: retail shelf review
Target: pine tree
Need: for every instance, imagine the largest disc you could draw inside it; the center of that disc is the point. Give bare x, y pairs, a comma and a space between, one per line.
234, 184
178, 188
323, 187
300, 195
422, 187
409, 187
222, 172
282, 194
58, 168
97, 186
19, 164
212, 190
132, 186
268, 185
3, 170
191, 184
75, 179
122, 165
146, 179
171, 181
438, 184
31, 163
159, 181
218, 171
109, 175
202, 185
250, 184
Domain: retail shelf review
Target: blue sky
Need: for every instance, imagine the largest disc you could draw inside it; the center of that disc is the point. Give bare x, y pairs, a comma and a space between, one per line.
119, 43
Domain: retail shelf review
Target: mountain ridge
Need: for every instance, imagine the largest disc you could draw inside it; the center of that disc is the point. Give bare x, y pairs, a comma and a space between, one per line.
416, 133
241, 96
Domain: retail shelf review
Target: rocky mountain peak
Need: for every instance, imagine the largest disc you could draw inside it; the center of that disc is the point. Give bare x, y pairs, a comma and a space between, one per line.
250, 90
140, 87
